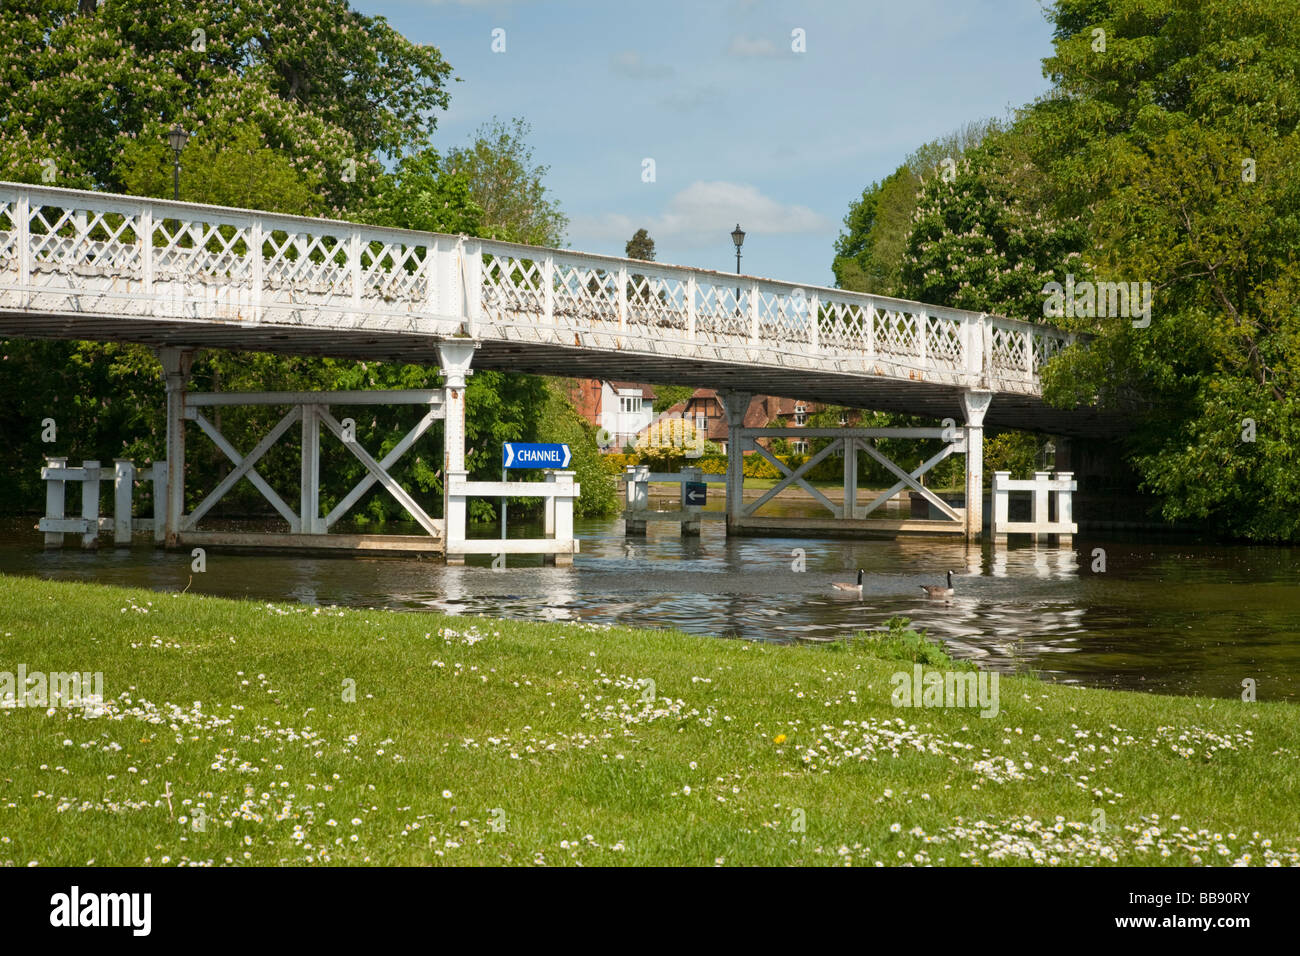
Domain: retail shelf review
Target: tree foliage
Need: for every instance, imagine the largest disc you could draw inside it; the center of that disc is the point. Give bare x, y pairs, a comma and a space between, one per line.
506, 184
322, 83
292, 105
1185, 158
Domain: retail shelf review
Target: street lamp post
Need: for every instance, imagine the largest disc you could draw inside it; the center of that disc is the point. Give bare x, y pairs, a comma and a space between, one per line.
177, 138
738, 237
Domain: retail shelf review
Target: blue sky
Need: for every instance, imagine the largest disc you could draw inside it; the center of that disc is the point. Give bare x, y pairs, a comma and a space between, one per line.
739, 126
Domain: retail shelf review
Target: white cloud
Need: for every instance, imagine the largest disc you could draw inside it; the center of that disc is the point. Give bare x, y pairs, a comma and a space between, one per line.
701, 212
744, 45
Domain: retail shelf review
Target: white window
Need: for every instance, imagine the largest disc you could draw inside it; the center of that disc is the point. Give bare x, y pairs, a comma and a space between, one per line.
630, 403
800, 413
799, 446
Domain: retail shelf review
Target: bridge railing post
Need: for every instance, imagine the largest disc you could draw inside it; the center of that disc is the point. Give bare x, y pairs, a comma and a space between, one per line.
55, 497
1001, 509
123, 488
90, 503
690, 308
1042, 504
690, 518
22, 217
637, 478
752, 309
622, 299
1066, 487
559, 517
548, 291
814, 323
159, 476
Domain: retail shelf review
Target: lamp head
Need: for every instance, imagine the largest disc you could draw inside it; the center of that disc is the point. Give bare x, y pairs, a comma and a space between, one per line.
177, 138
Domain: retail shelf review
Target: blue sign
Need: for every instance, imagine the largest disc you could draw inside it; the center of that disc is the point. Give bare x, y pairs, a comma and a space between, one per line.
521, 455
696, 493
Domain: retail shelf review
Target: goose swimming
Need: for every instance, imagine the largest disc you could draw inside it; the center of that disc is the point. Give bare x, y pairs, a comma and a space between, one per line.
938, 590
851, 588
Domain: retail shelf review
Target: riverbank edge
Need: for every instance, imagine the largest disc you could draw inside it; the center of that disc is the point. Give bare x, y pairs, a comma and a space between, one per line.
762, 718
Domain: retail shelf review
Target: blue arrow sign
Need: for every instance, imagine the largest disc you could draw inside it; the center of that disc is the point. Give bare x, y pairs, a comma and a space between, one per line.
531, 455
696, 493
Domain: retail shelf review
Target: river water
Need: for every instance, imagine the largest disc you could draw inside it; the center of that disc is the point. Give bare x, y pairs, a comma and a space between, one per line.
1169, 617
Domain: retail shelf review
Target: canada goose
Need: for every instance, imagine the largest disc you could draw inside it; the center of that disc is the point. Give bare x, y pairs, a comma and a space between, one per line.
938, 590
854, 588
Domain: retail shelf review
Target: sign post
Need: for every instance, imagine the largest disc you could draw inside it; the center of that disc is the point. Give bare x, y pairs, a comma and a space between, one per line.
531, 455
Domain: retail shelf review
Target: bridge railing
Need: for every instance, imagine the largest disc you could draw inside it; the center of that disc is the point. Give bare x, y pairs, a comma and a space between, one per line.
136, 257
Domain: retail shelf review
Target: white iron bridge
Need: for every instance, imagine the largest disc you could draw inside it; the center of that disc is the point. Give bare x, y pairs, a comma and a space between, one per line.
96, 266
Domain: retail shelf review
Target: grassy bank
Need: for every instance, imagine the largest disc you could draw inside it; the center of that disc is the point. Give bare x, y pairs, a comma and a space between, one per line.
476, 741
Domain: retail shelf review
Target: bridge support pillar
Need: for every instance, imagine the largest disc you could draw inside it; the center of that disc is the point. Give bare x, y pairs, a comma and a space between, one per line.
735, 405
974, 405
176, 373
455, 358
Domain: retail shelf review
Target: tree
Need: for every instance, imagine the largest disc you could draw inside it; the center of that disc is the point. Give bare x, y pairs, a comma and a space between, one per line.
282, 100
666, 396
869, 252
232, 167
326, 86
979, 239
504, 183
1183, 130
640, 246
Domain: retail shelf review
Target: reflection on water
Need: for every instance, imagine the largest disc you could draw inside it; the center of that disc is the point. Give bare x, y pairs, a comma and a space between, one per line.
1172, 618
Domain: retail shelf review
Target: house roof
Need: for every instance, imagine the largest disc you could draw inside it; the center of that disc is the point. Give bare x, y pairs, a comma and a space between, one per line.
647, 391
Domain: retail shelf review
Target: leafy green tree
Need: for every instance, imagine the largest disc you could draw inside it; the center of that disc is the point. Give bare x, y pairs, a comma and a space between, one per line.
869, 252
979, 240
640, 246
423, 194
508, 187
325, 85
561, 423
1177, 139
666, 396
232, 167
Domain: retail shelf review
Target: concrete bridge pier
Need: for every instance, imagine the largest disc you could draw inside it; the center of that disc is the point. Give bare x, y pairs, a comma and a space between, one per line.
455, 358
974, 404
176, 363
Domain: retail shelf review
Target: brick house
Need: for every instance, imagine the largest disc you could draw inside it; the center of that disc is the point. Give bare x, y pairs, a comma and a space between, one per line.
704, 410
621, 408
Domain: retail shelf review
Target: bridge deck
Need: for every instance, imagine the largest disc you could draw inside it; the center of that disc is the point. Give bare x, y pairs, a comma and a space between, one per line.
83, 265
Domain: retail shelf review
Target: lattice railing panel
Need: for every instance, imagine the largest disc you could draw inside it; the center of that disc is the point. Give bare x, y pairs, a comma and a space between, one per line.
1008, 349
8, 233
308, 263
657, 304
1047, 345
897, 333
512, 288
721, 313
585, 297
943, 342
844, 326
395, 271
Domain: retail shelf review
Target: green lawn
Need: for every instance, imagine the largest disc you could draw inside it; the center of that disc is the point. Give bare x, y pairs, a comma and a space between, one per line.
478, 741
